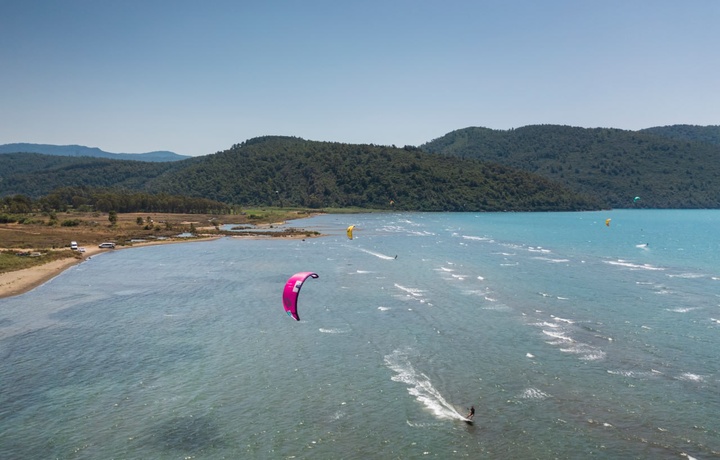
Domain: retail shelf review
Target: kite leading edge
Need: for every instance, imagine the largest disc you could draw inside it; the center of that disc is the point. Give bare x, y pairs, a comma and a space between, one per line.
292, 291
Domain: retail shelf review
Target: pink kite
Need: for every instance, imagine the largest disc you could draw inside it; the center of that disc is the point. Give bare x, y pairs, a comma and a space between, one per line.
292, 291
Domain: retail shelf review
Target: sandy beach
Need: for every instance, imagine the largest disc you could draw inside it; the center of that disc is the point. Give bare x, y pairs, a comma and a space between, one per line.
21, 281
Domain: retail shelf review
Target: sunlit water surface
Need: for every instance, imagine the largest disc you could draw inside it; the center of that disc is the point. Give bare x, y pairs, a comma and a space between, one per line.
573, 339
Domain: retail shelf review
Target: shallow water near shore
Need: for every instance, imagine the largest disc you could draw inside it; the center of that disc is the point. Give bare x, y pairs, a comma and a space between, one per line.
573, 339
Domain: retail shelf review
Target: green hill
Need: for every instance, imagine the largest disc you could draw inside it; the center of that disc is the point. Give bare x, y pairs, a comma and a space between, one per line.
709, 134
284, 171
36, 175
540, 168
613, 165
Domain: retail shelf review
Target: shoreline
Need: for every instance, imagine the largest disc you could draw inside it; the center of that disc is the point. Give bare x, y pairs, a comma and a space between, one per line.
19, 282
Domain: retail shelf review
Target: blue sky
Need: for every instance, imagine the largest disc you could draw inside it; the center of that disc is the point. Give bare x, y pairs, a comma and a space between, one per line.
195, 77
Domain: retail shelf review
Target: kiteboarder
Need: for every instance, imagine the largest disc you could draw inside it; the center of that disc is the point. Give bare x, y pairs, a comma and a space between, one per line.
471, 414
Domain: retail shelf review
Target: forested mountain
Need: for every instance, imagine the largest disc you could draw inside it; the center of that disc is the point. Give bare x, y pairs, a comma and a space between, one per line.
612, 164
709, 134
541, 167
286, 171
283, 170
82, 151
36, 175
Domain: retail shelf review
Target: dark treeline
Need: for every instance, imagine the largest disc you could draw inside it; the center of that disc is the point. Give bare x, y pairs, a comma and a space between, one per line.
666, 171
286, 171
106, 200
707, 134
37, 175
533, 168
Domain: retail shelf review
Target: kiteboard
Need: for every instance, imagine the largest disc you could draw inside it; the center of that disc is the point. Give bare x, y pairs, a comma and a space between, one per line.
467, 420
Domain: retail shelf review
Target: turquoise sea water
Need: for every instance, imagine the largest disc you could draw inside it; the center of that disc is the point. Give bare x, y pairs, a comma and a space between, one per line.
571, 338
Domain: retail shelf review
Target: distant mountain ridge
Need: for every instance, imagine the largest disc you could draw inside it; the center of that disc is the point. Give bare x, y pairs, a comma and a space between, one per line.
286, 171
668, 167
708, 134
94, 152
533, 168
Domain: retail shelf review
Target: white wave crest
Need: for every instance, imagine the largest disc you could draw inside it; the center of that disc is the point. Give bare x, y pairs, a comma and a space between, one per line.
596, 355
496, 307
632, 266
415, 292
476, 292
622, 373
539, 249
634, 374
533, 393
546, 324
477, 238
690, 377
334, 331
557, 335
688, 276
586, 352
682, 309
551, 260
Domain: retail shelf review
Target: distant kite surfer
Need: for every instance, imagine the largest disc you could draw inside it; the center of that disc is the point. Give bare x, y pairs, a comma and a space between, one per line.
471, 414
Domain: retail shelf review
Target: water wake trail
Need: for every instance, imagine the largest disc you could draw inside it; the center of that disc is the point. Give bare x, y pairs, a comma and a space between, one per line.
420, 386
377, 254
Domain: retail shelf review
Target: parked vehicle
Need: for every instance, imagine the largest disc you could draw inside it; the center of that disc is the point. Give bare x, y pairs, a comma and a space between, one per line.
107, 245
73, 245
